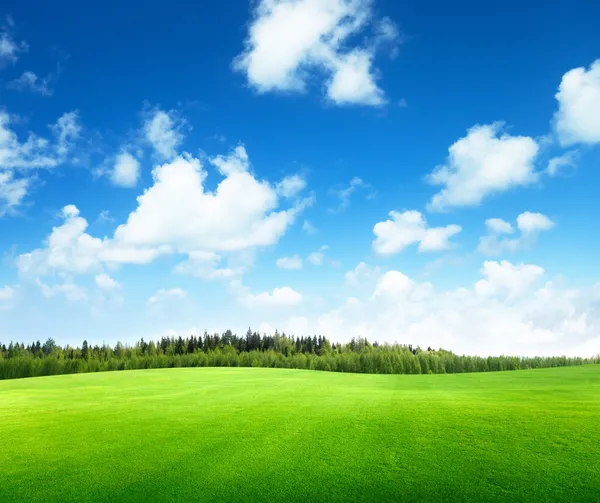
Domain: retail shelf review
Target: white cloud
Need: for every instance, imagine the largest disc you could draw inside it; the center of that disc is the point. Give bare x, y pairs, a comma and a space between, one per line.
71, 291
290, 186
165, 294
559, 164
294, 262
409, 227
67, 130
163, 131
12, 191
7, 297
506, 312
29, 81
205, 265
104, 216
506, 278
279, 297
69, 249
9, 49
177, 211
353, 81
393, 284
37, 152
576, 120
345, 192
317, 257
126, 171
529, 225
483, 163
499, 226
362, 273
529, 222
175, 215
234, 163
288, 41
308, 228
105, 282
7, 293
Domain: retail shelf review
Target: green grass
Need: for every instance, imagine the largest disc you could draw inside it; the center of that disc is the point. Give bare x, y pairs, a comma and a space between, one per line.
281, 435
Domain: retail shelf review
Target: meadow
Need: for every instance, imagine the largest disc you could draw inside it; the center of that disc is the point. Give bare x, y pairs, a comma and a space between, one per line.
257, 434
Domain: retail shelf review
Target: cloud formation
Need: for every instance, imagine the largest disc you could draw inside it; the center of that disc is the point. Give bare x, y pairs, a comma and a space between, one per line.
344, 193
578, 96
9, 49
126, 171
485, 162
294, 262
176, 215
409, 227
29, 81
18, 159
290, 41
512, 309
163, 131
164, 294
529, 225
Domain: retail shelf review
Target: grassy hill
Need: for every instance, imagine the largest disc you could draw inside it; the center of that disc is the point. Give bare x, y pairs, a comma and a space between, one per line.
256, 434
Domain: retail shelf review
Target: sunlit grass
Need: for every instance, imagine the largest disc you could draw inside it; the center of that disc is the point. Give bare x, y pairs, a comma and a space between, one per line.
271, 434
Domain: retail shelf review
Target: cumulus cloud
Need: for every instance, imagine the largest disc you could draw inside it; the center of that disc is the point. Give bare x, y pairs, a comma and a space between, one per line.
308, 228
105, 282
206, 265
395, 286
529, 222
409, 227
71, 291
294, 262
67, 130
578, 96
12, 191
317, 257
279, 297
353, 80
163, 130
529, 225
498, 226
513, 309
289, 41
69, 249
362, 273
126, 170
507, 278
178, 211
165, 294
175, 215
344, 193
7, 297
29, 81
485, 162
291, 186
9, 49
561, 163
36, 151
19, 158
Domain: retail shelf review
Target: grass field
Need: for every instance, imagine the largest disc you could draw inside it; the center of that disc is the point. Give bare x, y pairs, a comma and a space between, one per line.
251, 434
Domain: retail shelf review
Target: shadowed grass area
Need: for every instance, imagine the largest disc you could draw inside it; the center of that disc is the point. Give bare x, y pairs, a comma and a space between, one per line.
254, 434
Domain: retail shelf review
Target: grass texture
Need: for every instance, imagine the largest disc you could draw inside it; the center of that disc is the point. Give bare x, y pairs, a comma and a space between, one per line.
255, 434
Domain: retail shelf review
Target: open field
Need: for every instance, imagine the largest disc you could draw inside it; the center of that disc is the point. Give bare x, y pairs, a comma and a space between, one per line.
271, 434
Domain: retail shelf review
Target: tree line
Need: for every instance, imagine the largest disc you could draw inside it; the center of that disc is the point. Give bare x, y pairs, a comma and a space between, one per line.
255, 350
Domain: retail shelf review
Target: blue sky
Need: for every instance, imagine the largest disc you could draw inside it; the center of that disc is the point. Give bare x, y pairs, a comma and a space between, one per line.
420, 172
